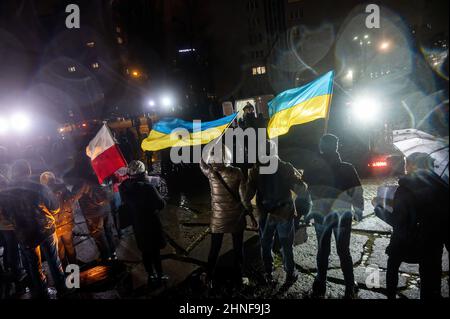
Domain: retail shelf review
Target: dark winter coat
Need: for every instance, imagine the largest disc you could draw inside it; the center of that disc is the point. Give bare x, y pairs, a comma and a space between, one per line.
334, 185
31, 207
273, 191
143, 203
420, 212
95, 200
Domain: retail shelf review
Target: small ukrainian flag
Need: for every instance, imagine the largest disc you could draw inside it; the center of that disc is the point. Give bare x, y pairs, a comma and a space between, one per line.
300, 105
170, 132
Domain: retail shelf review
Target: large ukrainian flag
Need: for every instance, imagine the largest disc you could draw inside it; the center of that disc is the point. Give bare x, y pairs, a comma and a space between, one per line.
169, 132
300, 105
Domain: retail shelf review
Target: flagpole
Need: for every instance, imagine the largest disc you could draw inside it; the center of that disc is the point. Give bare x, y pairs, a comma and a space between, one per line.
219, 137
105, 123
327, 118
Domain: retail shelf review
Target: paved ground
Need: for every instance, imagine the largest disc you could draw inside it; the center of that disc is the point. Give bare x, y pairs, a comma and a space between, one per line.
369, 240
187, 227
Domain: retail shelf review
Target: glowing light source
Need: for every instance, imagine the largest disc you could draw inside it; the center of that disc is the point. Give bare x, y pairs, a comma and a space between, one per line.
366, 36
385, 45
4, 125
349, 75
166, 101
186, 50
135, 73
20, 122
378, 164
151, 103
365, 108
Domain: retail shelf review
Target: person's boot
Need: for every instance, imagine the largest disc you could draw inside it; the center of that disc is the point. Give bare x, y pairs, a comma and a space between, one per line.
318, 289
351, 292
291, 278
163, 277
152, 280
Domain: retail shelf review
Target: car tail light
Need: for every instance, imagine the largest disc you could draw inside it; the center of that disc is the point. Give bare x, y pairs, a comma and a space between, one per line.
378, 164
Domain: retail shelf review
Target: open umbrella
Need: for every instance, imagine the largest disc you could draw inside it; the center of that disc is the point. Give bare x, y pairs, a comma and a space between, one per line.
409, 141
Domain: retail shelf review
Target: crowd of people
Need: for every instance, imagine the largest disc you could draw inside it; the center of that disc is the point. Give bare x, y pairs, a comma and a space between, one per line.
37, 217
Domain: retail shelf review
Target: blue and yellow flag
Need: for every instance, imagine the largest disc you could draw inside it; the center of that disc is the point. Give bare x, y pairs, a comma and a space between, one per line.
169, 132
300, 105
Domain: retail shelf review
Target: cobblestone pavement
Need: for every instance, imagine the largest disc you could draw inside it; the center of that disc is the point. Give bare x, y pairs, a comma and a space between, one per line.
187, 227
370, 238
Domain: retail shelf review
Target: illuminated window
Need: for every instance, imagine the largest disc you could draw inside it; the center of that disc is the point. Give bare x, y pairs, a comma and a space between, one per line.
71, 69
259, 70
119, 40
90, 44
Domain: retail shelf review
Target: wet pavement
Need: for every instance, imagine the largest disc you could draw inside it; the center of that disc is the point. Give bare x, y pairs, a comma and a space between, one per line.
184, 260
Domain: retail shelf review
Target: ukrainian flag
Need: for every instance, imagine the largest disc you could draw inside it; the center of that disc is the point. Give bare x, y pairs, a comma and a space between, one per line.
300, 105
170, 132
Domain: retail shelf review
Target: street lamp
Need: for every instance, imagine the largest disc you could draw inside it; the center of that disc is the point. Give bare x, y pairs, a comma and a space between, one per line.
384, 46
135, 73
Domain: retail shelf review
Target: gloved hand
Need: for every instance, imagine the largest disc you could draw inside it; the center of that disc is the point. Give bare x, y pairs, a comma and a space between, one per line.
358, 215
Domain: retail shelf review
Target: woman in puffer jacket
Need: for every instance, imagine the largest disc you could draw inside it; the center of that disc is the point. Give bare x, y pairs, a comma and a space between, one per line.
228, 214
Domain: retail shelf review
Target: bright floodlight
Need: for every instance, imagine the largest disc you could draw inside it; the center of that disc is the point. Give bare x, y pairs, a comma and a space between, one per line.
166, 101
151, 103
20, 122
349, 75
4, 125
365, 108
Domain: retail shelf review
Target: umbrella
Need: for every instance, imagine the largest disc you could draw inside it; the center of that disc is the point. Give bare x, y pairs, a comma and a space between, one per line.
409, 141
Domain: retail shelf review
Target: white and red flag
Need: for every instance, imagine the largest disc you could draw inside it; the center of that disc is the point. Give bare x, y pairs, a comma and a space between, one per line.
106, 157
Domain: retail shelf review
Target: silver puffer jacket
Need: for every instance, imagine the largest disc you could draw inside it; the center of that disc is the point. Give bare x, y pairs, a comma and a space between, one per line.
227, 213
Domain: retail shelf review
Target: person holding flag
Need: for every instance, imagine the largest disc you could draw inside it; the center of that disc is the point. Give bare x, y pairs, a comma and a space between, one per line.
106, 159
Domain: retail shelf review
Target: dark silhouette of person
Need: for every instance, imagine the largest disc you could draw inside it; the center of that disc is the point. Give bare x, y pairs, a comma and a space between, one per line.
420, 225
337, 196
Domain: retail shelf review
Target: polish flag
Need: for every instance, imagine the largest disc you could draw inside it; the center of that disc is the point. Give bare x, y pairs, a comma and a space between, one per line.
106, 157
